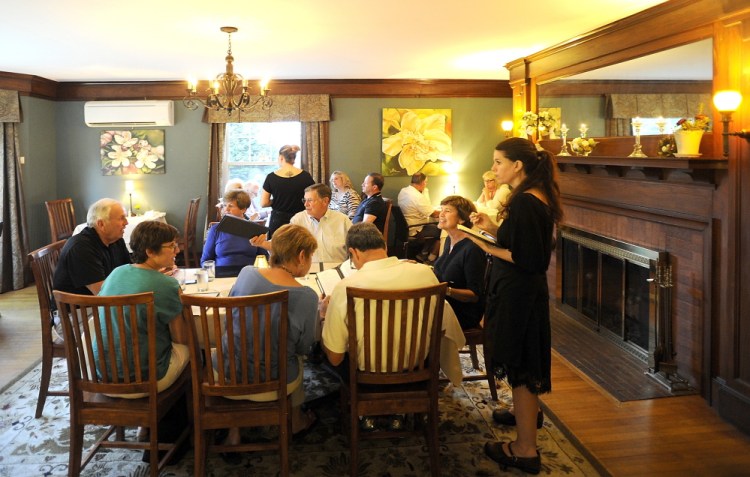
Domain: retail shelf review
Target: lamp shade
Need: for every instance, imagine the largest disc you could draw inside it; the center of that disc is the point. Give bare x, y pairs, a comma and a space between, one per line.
507, 125
727, 101
129, 186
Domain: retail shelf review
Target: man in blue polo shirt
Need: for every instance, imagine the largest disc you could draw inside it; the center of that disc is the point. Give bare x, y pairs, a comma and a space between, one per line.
373, 208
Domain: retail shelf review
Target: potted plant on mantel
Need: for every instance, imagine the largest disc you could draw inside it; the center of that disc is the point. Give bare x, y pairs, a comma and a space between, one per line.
688, 134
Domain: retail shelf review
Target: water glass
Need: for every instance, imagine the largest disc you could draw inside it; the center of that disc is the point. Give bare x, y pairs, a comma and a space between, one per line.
179, 275
201, 280
210, 267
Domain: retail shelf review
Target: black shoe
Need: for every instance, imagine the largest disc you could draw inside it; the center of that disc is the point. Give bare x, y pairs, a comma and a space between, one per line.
506, 418
530, 465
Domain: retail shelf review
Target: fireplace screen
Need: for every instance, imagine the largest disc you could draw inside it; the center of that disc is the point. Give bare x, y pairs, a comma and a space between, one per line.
620, 290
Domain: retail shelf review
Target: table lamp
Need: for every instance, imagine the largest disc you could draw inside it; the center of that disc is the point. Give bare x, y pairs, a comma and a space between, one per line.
129, 188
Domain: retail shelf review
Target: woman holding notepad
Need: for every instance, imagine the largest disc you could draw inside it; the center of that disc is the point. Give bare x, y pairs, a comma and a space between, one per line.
517, 319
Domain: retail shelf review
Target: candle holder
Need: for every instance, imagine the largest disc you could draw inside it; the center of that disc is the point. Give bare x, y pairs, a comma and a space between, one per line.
564, 150
637, 149
661, 123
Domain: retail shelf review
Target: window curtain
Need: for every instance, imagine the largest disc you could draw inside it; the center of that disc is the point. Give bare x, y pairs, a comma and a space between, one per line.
621, 108
215, 156
14, 246
312, 110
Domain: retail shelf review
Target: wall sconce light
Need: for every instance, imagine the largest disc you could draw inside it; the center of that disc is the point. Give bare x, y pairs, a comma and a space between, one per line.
726, 103
130, 188
507, 127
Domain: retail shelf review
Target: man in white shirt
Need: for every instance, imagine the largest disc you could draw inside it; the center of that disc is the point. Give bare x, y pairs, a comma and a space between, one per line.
414, 202
329, 227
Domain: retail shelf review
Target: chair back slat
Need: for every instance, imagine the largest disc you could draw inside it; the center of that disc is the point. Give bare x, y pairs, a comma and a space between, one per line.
111, 324
252, 324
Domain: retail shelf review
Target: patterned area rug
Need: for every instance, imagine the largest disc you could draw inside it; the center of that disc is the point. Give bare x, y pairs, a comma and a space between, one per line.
39, 447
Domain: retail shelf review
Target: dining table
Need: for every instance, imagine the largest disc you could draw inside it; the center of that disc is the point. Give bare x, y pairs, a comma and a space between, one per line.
452, 340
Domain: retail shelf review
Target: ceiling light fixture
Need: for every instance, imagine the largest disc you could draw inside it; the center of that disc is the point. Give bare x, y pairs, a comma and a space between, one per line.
224, 92
727, 102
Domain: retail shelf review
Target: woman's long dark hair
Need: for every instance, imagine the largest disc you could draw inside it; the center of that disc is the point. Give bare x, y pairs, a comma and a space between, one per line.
541, 172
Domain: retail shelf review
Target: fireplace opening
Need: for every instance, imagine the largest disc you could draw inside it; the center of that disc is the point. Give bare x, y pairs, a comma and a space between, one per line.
622, 292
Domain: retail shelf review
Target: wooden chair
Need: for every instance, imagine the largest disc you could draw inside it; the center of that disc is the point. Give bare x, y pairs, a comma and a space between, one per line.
93, 380
212, 389
386, 227
187, 241
404, 243
477, 336
43, 263
62, 218
399, 375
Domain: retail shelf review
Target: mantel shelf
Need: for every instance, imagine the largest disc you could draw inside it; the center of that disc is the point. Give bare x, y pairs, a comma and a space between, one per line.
673, 169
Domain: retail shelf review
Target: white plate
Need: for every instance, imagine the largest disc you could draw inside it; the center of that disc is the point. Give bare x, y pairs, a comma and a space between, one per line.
687, 155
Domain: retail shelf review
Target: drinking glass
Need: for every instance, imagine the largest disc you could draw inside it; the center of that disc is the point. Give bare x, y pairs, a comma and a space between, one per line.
201, 280
210, 267
179, 275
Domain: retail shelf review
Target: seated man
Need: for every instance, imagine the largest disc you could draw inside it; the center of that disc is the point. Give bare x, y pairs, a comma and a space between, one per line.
373, 208
375, 270
90, 256
414, 201
329, 227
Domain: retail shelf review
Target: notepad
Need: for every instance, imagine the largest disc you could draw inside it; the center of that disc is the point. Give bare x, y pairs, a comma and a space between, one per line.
240, 227
480, 234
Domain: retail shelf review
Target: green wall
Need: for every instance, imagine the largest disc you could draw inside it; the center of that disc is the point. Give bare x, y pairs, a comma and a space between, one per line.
62, 155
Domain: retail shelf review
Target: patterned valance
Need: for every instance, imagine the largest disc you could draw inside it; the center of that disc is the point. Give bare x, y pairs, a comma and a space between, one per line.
10, 107
298, 107
626, 106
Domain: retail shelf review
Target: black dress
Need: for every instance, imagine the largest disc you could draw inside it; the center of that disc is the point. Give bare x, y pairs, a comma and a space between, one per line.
287, 193
518, 300
463, 268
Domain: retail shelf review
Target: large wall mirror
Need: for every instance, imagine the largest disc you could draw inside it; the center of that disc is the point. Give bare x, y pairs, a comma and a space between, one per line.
670, 84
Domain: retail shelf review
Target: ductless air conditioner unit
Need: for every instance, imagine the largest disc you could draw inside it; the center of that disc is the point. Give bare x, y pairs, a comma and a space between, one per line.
128, 114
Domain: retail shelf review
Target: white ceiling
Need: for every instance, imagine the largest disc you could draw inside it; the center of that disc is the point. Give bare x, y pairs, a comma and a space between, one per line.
79, 40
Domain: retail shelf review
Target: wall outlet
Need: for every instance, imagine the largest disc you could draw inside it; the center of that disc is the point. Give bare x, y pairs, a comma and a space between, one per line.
22, 159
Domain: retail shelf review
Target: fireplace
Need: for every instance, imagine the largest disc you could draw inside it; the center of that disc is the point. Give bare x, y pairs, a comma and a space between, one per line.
622, 292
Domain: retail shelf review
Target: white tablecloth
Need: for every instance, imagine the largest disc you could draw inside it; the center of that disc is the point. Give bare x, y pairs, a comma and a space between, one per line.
132, 222
453, 337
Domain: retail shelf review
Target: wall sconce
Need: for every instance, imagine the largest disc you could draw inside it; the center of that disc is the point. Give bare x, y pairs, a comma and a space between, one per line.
507, 127
726, 103
130, 188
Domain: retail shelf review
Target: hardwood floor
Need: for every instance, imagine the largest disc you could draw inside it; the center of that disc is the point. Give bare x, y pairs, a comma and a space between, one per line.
675, 436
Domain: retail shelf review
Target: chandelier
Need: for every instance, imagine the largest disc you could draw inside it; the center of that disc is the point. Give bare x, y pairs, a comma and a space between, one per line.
229, 91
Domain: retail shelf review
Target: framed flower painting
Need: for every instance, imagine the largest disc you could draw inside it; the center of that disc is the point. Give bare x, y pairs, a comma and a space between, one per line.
140, 151
416, 140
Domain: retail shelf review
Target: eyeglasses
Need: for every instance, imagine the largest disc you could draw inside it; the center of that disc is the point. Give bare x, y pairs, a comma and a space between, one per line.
173, 246
305, 201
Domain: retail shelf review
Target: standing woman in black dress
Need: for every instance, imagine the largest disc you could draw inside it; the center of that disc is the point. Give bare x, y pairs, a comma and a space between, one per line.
284, 189
518, 299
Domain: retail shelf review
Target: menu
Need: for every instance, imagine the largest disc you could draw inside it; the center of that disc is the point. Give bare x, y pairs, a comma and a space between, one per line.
480, 234
240, 227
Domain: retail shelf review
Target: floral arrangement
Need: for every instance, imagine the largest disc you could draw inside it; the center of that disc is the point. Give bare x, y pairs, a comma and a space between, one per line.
529, 122
132, 152
582, 145
546, 122
666, 147
697, 123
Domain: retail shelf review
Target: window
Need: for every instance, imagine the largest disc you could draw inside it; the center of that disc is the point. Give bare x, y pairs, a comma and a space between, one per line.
251, 150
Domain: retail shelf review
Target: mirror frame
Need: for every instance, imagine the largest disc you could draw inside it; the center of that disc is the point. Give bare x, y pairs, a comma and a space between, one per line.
667, 25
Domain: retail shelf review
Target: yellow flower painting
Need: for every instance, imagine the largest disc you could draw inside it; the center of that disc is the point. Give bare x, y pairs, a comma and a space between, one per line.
132, 152
416, 140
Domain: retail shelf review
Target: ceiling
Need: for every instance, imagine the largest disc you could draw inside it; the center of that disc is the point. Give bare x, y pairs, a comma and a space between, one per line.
139, 40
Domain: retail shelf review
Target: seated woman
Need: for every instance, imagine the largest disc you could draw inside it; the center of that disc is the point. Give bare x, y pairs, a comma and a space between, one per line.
344, 199
227, 250
291, 256
462, 262
493, 196
154, 247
